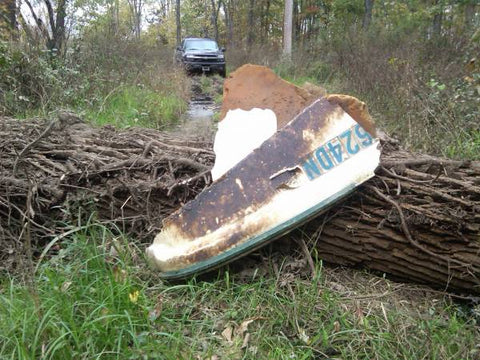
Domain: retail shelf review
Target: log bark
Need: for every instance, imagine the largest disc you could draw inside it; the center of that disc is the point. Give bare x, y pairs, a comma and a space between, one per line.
418, 219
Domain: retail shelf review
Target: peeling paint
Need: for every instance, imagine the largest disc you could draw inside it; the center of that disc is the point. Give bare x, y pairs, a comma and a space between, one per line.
270, 187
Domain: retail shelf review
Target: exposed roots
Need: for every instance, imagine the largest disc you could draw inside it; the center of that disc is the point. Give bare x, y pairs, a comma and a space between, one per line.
418, 219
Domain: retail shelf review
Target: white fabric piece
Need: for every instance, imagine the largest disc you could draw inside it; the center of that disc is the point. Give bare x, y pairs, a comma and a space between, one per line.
238, 134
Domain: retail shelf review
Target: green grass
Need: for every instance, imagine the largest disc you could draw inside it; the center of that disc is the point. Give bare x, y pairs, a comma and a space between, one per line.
128, 106
467, 146
96, 299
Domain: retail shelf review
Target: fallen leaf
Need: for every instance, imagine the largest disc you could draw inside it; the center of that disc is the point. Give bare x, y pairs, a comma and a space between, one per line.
65, 286
358, 312
244, 327
246, 339
336, 326
119, 275
155, 313
302, 334
227, 333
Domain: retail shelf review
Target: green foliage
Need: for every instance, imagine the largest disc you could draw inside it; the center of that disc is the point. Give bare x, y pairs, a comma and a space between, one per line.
31, 79
347, 8
96, 299
136, 106
114, 84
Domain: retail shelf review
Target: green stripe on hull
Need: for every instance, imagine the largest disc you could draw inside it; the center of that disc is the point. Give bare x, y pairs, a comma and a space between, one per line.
257, 241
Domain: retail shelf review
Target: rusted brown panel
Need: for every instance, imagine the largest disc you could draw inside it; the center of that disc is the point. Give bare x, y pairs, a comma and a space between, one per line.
356, 109
226, 201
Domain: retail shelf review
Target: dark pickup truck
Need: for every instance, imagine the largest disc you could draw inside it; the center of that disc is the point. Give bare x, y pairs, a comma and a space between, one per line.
201, 55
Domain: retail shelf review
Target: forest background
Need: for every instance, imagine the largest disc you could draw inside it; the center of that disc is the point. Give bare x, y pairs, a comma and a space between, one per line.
414, 62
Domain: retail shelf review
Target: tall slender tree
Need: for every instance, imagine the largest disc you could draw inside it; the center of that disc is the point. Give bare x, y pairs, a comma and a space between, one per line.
287, 30
367, 16
250, 22
8, 18
136, 7
229, 10
469, 8
438, 18
178, 23
53, 30
215, 13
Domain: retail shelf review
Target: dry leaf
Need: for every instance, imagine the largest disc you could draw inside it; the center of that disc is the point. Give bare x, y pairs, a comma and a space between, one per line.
65, 286
119, 275
155, 313
336, 326
246, 339
227, 333
358, 312
244, 327
302, 334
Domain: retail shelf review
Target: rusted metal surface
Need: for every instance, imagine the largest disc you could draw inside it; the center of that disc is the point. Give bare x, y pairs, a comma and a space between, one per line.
258, 193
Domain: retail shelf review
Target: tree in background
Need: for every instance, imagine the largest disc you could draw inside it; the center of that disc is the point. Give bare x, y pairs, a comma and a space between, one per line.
177, 22
136, 7
8, 18
367, 17
287, 30
50, 27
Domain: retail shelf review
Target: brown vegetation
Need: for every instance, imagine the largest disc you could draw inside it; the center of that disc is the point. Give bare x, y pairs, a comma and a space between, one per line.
417, 219
61, 172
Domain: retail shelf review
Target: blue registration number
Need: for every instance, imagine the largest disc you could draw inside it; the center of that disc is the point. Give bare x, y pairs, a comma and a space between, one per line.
336, 151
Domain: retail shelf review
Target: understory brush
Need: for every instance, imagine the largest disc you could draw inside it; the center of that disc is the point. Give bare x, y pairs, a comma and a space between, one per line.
95, 298
127, 106
120, 83
425, 92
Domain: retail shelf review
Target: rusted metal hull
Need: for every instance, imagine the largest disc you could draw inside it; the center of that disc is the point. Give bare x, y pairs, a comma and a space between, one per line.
317, 158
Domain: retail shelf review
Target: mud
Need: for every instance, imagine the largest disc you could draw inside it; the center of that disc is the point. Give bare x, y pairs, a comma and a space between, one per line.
258, 86
254, 86
199, 119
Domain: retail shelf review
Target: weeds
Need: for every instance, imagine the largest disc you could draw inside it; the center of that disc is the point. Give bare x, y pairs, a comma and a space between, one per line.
122, 89
425, 93
136, 106
96, 299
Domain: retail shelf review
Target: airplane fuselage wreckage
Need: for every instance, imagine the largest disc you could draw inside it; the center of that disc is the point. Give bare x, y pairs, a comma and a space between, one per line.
277, 180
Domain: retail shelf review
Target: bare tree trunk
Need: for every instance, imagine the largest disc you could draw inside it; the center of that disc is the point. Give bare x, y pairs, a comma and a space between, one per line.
417, 219
266, 24
367, 16
59, 35
469, 14
55, 38
437, 19
136, 11
287, 30
8, 18
205, 23
229, 10
178, 23
251, 29
117, 17
215, 11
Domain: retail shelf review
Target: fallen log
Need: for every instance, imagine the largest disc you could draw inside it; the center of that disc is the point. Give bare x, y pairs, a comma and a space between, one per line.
57, 173
418, 219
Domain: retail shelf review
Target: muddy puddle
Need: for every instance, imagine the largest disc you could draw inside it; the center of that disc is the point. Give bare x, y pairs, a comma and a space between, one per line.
199, 119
